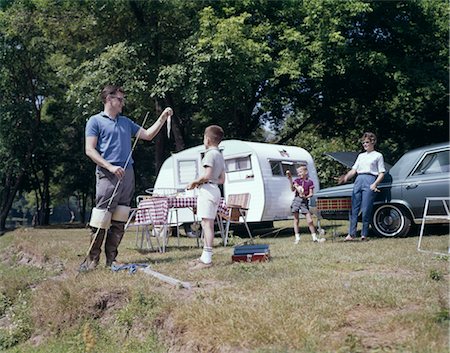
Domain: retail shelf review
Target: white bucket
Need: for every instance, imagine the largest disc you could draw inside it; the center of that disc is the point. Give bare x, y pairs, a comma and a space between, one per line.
100, 218
121, 213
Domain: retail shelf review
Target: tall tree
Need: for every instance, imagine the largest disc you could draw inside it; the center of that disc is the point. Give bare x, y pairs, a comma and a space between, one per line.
327, 68
24, 77
360, 66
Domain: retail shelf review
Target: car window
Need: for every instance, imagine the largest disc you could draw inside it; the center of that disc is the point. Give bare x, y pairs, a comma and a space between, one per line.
434, 163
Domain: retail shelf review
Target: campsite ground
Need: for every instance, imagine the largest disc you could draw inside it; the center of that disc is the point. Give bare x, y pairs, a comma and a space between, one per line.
376, 296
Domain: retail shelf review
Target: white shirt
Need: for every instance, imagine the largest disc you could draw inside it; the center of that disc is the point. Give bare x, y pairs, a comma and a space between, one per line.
369, 163
213, 158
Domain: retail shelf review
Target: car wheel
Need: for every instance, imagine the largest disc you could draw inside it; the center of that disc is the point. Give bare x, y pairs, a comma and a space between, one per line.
391, 221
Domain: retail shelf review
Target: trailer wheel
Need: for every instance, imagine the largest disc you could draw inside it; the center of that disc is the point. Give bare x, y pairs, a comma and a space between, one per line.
391, 221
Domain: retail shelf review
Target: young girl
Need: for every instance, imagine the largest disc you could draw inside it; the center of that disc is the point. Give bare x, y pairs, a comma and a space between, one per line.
304, 190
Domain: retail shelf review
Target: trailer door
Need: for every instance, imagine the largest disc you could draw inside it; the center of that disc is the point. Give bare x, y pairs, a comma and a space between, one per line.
278, 191
244, 176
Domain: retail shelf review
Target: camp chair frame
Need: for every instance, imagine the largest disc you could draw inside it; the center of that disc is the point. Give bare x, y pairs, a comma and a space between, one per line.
445, 218
237, 210
145, 231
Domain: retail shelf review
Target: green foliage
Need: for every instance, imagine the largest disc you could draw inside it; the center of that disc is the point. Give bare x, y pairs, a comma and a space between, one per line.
142, 307
330, 69
119, 65
443, 315
20, 325
435, 275
5, 303
356, 71
327, 169
226, 48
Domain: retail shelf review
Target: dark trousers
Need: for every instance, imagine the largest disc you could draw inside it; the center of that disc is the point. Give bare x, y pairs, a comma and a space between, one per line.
362, 200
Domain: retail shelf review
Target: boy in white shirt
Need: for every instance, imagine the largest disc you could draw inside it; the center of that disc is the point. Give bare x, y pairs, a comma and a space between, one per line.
209, 192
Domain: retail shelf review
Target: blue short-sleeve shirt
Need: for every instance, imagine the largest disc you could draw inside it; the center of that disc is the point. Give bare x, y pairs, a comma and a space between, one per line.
113, 137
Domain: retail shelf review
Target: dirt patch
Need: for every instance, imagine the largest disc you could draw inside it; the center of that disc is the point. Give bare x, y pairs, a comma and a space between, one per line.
27, 257
175, 338
387, 272
6, 323
103, 304
370, 328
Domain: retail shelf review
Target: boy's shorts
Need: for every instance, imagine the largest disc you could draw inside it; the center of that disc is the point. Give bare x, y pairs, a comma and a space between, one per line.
300, 205
208, 201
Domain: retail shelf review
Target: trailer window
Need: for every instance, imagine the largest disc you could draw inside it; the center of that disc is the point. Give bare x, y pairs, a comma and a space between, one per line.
238, 164
279, 168
187, 171
276, 168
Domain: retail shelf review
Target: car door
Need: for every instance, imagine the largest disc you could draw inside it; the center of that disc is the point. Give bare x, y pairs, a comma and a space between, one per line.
429, 178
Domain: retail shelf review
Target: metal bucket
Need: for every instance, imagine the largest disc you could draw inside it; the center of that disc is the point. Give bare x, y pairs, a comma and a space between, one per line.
100, 218
121, 213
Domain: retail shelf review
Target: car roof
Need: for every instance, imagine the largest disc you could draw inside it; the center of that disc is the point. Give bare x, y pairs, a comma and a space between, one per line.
429, 147
405, 163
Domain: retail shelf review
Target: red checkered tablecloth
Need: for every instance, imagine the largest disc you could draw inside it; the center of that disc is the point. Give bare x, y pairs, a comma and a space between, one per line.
156, 208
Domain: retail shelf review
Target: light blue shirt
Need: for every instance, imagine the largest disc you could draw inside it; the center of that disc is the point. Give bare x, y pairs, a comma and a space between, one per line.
113, 137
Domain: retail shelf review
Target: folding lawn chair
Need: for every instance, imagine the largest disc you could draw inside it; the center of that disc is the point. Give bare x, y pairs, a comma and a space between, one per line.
150, 219
237, 210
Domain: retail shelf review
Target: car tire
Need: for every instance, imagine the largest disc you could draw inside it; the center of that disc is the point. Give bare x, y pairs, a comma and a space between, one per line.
391, 221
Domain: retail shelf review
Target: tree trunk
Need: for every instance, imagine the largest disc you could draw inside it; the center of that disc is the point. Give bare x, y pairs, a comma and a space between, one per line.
7, 196
45, 204
178, 135
83, 208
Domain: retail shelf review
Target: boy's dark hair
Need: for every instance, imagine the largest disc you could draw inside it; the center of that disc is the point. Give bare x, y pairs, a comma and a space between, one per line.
215, 133
110, 90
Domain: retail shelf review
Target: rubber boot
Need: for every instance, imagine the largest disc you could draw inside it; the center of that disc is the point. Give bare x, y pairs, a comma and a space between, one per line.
113, 239
96, 249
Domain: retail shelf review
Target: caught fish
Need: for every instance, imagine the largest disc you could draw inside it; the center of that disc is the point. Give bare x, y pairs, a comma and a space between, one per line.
169, 125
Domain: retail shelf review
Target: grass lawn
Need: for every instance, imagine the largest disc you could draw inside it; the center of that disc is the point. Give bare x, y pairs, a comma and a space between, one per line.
376, 296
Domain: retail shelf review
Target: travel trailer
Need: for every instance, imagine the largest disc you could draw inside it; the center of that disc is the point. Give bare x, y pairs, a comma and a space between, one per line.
251, 167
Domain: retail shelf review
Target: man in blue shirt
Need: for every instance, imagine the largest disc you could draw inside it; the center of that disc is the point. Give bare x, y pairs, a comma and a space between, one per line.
108, 144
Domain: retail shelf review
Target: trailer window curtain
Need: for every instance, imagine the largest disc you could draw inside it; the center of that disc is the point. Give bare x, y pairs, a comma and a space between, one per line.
238, 164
